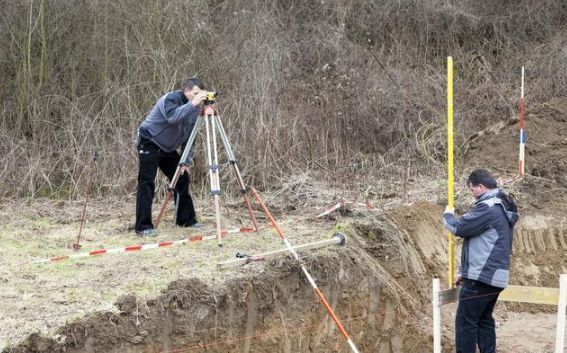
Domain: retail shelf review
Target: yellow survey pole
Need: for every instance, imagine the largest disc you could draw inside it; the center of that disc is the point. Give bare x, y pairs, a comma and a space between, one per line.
450, 177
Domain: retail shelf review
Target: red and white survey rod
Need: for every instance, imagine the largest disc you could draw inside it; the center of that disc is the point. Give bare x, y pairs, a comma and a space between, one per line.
523, 136
306, 273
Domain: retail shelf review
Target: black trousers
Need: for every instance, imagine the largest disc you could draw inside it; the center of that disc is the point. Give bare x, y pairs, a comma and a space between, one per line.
151, 157
474, 324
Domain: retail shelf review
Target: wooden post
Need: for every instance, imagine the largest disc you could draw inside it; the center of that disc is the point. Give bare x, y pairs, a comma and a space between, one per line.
560, 334
436, 317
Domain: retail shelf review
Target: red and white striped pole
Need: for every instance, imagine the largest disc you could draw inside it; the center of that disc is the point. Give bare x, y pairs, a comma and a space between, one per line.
367, 204
306, 273
142, 247
332, 209
523, 136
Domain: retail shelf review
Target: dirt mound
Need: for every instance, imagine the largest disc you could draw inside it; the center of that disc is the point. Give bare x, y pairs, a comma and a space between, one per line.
544, 186
546, 144
422, 224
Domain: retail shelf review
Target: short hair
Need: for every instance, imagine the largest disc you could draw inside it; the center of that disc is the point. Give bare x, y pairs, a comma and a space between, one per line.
482, 176
192, 82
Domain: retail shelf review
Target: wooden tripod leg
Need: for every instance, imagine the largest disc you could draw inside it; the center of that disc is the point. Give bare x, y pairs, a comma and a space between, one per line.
250, 212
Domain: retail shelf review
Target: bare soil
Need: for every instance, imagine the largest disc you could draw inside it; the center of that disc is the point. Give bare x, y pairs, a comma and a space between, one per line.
177, 300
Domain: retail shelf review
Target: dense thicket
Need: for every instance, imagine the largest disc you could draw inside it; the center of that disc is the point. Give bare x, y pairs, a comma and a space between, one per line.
335, 85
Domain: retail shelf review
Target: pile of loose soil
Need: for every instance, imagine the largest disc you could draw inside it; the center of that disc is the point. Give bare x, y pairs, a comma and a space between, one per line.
496, 148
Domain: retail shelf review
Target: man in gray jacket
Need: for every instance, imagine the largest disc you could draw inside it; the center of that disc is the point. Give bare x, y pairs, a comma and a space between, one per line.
487, 230
167, 128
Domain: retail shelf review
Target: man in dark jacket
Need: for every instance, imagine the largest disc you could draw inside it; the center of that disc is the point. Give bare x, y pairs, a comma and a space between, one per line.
487, 230
167, 128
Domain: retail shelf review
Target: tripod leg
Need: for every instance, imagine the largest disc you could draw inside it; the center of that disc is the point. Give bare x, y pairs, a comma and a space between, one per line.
250, 212
234, 164
214, 173
183, 162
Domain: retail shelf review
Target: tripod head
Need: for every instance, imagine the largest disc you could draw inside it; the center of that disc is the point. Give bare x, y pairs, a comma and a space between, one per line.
210, 107
211, 98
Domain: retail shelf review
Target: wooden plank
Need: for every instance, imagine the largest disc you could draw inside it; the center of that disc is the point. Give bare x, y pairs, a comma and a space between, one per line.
519, 294
533, 295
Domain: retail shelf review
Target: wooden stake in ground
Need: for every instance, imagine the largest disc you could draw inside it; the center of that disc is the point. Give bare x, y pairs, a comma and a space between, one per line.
77, 244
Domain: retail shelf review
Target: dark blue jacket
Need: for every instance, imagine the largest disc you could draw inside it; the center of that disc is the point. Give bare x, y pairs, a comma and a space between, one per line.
487, 230
170, 122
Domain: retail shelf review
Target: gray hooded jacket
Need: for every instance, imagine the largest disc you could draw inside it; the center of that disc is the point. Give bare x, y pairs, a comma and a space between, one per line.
170, 122
487, 230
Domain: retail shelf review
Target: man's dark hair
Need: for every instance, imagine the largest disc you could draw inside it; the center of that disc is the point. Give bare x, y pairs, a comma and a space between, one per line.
192, 82
482, 176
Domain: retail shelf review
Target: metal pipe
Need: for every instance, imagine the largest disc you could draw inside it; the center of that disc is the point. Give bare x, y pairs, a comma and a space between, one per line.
338, 239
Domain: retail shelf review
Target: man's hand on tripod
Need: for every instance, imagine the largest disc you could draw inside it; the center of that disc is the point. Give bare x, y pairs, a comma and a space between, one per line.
185, 169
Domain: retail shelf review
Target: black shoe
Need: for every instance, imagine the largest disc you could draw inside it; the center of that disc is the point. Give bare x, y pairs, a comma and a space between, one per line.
150, 232
196, 225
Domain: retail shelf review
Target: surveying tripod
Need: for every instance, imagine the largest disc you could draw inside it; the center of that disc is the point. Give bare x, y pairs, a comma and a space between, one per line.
210, 115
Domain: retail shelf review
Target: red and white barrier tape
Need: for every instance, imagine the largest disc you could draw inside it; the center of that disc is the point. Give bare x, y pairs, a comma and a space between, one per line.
141, 247
342, 203
332, 209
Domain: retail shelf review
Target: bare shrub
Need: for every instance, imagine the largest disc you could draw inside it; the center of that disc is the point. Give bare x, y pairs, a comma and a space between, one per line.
339, 86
